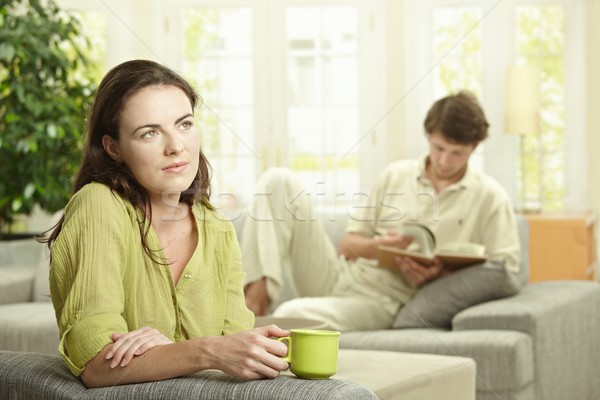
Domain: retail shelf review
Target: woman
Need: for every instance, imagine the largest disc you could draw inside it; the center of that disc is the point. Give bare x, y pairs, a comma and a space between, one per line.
146, 276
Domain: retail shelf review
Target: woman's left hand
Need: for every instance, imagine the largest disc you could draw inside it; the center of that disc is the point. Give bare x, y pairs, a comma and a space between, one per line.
134, 343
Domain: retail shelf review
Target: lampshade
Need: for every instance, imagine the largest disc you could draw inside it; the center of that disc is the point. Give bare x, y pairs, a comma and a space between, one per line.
522, 108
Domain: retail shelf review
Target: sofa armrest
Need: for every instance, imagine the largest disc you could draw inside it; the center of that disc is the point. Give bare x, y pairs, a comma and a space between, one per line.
562, 319
16, 284
536, 304
26, 375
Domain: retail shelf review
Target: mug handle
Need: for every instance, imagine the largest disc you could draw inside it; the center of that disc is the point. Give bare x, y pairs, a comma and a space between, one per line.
288, 357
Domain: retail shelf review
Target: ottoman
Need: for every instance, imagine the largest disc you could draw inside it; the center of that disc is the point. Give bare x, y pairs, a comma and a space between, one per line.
393, 375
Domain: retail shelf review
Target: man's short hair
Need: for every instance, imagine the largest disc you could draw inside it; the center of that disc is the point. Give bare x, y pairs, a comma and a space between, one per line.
459, 117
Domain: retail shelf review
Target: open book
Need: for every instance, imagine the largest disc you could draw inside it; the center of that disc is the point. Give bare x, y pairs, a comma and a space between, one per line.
454, 255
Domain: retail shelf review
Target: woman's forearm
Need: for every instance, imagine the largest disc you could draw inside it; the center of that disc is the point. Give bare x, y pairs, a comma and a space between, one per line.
162, 362
252, 354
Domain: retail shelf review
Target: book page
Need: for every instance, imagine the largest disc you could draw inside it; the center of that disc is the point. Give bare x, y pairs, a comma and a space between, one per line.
423, 239
471, 248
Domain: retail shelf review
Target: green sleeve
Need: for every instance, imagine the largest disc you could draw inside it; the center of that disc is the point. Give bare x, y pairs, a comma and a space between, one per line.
88, 260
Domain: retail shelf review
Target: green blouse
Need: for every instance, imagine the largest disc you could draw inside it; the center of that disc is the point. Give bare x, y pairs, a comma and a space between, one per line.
102, 281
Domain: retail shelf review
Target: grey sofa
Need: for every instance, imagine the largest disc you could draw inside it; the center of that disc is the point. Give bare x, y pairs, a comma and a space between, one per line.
541, 344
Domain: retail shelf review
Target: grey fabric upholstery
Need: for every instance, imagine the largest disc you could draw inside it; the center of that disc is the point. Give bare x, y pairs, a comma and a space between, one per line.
27, 321
16, 283
540, 344
436, 304
562, 319
21, 252
41, 281
46, 377
29, 327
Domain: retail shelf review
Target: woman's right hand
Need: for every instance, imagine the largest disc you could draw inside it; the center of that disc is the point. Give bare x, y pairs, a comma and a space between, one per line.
252, 354
127, 345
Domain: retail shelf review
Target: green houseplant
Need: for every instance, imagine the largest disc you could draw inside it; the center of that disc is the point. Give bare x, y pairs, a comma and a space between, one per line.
45, 91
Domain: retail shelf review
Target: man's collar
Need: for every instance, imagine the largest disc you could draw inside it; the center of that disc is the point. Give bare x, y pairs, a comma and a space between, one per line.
464, 182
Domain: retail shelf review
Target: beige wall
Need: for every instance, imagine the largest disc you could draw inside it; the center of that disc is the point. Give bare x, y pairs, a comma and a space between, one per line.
593, 105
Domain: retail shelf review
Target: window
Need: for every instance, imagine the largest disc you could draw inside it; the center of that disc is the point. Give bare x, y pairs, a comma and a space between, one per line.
457, 38
283, 93
322, 95
540, 41
93, 24
93, 27
457, 44
280, 81
218, 58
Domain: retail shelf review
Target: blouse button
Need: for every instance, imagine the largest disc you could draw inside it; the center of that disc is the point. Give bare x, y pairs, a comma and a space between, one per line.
187, 275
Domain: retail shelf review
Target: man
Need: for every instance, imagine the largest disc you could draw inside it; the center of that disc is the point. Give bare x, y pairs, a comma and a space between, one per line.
346, 288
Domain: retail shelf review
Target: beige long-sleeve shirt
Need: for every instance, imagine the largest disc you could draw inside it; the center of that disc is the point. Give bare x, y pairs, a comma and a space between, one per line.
475, 209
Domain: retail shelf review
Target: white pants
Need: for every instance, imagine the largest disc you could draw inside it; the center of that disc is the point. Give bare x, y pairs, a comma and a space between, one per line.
282, 231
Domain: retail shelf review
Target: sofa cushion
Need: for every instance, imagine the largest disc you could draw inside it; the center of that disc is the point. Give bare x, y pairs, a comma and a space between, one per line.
31, 255
504, 359
436, 303
17, 283
20, 252
28, 327
41, 282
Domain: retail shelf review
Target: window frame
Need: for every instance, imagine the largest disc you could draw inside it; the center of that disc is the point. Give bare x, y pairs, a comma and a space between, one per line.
270, 77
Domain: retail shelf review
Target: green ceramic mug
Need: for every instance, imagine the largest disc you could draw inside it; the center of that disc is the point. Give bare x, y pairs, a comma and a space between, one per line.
312, 353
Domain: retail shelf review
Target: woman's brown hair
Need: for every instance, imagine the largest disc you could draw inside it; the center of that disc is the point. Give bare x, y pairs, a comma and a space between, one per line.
119, 84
